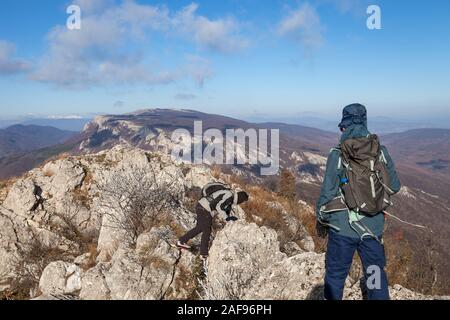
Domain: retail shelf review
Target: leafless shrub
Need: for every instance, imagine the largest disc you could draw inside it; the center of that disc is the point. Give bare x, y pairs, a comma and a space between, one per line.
66, 224
287, 187
231, 285
30, 261
136, 199
192, 196
5, 185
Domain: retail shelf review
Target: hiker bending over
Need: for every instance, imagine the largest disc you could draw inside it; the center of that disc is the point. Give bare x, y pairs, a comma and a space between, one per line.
217, 198
359, 181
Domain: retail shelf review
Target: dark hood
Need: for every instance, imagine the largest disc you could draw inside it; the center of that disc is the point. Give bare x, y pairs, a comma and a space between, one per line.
354, 114
355, 131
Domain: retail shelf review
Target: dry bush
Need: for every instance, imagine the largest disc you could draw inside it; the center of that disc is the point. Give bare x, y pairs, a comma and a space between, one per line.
137, 200
33, 256
101, 159
65, 224
398, 256
81, 194
309, 220
82, 197
287, 185
5, 185
49, 173
170, 222
63, 156
216, 171
93, 254
187, 281
229, 285
191, 197
414, 267
154, 262
271, 183
259, 210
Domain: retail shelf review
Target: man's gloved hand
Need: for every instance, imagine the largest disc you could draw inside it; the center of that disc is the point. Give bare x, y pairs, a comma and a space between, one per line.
231, 218
322, 231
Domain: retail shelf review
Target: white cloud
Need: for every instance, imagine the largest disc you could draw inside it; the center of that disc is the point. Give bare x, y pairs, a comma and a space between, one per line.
106, 49
90, 6
303, 25
356, 7
199, 69
219, 35
8, 63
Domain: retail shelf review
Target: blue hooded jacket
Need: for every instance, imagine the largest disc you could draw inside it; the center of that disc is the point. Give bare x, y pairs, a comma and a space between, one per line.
355, 124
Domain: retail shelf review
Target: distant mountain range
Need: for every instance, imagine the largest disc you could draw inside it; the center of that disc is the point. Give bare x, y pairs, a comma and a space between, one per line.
23, 138
75, 124
378, 124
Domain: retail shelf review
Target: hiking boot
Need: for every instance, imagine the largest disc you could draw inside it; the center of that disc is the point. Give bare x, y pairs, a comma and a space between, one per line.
183, 245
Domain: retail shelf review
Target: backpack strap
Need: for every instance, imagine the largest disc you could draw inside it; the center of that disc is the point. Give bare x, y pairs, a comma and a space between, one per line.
383, 157
340, 162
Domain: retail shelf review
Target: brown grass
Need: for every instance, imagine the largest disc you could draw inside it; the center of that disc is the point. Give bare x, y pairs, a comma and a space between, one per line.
93, 254
216, 171
29, 265
309, 221
258, 211
187, 281
101, 159
63, 156
49, 173
81, 194
287, 186
191, 197
5, 185
152, 261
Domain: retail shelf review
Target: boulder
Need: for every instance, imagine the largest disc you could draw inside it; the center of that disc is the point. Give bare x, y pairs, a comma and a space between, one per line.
94, 285
23, 197
60, 278
239, 254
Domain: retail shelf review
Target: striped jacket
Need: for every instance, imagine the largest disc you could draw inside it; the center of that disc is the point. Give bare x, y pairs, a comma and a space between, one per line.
220, 202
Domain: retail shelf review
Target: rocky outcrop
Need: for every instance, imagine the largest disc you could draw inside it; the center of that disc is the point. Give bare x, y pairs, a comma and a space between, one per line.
300, 239
245, 263
60, 278
55, 224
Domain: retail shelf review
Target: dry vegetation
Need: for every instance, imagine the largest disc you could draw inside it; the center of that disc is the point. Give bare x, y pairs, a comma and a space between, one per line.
65, 225
5, 185
287, 185
81, 194
136, 201
31, 261
281, 190
413, 267
48, 173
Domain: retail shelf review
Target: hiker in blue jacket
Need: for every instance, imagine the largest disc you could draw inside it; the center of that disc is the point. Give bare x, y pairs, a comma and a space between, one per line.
343, 237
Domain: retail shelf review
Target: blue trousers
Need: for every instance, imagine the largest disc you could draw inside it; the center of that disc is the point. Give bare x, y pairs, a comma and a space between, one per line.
339, 259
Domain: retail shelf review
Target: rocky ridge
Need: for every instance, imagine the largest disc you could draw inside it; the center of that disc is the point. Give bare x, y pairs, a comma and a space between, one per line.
58, 240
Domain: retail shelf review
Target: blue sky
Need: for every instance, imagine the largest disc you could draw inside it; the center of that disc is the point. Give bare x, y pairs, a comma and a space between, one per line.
232, 57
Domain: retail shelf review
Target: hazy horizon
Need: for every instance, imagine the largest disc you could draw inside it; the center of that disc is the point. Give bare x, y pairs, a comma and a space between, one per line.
326, 122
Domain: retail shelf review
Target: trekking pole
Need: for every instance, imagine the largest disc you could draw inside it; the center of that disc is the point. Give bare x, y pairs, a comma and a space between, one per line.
407, 223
